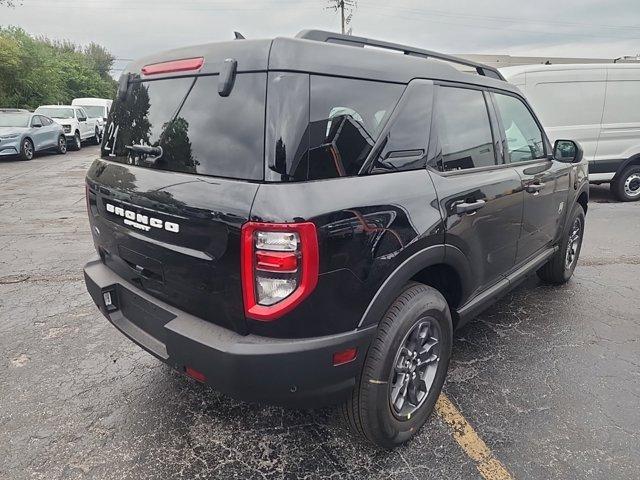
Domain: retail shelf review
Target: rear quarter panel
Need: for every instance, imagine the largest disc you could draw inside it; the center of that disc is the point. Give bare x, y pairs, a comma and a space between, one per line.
367, 226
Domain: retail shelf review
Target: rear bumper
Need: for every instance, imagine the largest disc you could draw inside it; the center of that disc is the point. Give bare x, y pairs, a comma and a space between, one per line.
296, 372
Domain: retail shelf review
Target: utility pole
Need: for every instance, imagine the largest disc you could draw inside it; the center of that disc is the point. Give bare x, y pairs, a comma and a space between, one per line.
346, 8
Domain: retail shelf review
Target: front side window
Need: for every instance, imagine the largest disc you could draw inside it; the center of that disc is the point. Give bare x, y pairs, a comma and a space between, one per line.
463, 129
524, 138
36, 122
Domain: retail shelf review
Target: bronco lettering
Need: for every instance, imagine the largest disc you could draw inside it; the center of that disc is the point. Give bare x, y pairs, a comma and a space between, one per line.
140, 221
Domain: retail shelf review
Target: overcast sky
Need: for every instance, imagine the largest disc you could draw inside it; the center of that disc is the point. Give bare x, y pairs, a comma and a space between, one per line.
133, 28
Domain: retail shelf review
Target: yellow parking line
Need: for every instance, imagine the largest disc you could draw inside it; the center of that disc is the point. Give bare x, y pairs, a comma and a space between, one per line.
489, 466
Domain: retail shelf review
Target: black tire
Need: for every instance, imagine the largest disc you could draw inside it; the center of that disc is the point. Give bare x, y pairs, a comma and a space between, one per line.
558, 269
626, 186
27, 151
96, 139
77, 142
369, 411
62, 145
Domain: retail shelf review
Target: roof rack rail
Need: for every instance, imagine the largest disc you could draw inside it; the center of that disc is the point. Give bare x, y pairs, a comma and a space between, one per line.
331, 37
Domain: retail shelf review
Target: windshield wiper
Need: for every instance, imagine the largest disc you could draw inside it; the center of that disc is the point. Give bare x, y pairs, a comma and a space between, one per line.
152, 154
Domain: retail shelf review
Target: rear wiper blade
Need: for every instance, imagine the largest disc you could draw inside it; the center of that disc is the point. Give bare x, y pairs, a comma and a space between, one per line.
152, 153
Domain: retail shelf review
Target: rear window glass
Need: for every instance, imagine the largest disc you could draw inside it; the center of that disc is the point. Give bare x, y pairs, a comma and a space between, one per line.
197, 130
337, 122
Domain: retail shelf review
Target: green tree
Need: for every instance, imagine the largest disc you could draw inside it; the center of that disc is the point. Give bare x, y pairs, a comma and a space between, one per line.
37, 71
99, 58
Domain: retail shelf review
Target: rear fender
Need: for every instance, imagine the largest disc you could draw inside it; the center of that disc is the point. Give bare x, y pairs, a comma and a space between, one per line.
633, 160
396, 281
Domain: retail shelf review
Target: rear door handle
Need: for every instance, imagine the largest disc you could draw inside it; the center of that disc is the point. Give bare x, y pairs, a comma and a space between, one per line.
534, 187
464, 207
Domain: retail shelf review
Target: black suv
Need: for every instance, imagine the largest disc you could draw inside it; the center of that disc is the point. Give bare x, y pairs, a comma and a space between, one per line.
302, 222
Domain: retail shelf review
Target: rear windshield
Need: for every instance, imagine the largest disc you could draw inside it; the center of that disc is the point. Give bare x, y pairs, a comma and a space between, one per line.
197, 130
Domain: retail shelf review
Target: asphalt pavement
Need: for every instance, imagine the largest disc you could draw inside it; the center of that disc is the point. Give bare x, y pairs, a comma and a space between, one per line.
548, 378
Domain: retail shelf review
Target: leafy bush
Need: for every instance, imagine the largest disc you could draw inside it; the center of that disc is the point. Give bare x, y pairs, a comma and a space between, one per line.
39, 71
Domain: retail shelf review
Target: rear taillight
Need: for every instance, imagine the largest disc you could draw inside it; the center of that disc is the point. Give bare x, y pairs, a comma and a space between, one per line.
279, 267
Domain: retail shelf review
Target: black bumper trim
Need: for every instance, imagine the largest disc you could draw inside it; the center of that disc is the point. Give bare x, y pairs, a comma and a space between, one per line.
296, 372
605, 166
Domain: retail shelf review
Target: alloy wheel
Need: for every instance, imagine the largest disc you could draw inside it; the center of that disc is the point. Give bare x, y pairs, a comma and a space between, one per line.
28, 149
62, 145
573, 243
414, 368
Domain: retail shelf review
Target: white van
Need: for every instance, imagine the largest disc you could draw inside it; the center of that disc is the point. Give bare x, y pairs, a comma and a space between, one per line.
596, 104
97, 108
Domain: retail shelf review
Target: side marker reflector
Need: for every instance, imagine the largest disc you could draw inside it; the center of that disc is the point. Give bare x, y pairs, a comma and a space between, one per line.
345, 356
195, 374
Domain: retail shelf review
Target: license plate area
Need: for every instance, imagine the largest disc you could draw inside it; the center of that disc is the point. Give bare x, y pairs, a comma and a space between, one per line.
144, 314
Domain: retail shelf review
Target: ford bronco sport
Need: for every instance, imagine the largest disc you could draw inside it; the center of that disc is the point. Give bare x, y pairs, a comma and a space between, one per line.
302, 222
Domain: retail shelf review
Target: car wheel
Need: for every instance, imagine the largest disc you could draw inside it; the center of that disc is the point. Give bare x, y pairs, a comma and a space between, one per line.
97, 138
62, 145
626, 187
26, 149
560, 267
404, 369
77, 142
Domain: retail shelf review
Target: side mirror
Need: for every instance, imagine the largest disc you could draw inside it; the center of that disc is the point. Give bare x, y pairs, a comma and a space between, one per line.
82, 119
36, 125
567, 151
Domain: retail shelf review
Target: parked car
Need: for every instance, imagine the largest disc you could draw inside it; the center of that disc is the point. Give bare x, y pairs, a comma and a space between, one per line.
75, 122
96, 108
301, 222
597, 105
23, 133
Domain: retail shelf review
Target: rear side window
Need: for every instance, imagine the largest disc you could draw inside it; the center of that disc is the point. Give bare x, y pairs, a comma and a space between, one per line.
346, 119
524, 138
463, 129
404, 146
324, 127
198, 130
